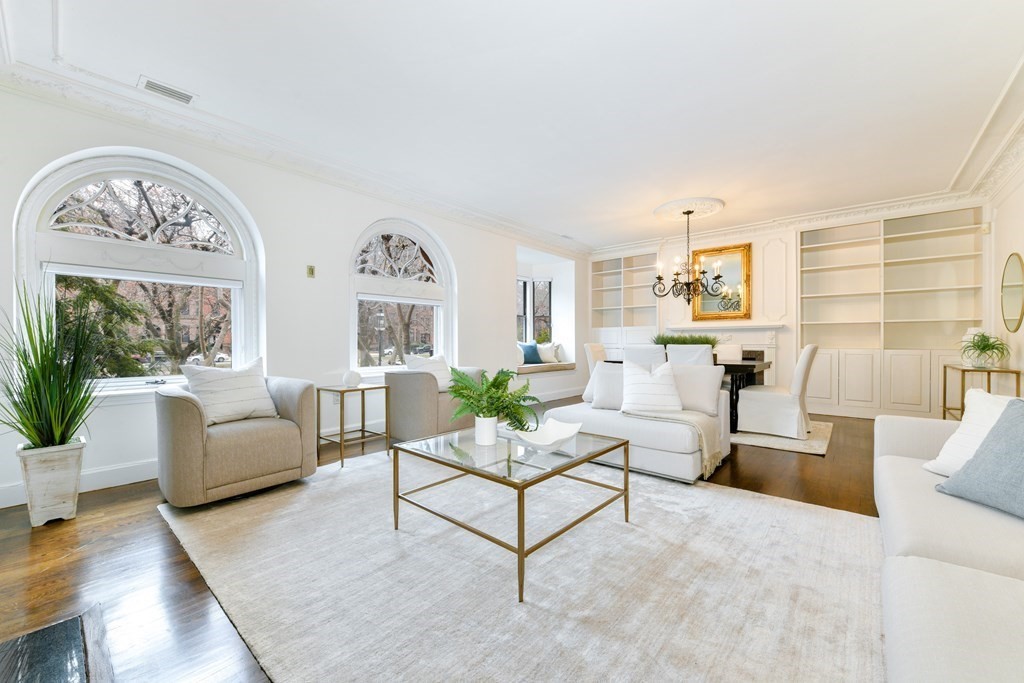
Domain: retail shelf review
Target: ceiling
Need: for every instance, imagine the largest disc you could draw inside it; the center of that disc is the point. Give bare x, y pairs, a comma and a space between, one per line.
574, 117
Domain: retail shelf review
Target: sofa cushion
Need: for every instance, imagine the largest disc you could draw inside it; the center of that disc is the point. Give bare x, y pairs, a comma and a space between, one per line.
995, 475
981, 410
246, 449
943, 622
698, 386
918, 520
655, 434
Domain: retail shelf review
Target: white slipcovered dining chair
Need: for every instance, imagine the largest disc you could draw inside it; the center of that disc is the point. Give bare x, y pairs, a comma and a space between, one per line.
595, 354
647, 355
690, 354
777, 410
725, 352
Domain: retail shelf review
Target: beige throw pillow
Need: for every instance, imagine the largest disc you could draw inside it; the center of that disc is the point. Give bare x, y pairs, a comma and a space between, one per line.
229, 395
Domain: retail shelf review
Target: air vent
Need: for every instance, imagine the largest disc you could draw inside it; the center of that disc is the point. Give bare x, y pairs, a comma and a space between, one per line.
165, 90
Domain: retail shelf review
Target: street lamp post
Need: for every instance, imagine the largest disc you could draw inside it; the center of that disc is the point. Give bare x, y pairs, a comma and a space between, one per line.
380, 338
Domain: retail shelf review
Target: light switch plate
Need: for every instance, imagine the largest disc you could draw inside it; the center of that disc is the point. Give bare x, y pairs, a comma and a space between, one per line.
310, 271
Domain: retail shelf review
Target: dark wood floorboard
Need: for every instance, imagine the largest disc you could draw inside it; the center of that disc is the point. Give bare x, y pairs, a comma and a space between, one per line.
164, 624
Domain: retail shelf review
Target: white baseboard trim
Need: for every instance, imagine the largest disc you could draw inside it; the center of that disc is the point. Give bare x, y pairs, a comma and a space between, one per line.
92, 480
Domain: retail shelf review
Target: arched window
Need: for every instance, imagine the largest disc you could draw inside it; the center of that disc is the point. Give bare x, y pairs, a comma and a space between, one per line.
403, 287
169, 260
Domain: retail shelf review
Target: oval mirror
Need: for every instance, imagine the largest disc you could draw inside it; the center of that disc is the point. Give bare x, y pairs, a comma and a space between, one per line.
1013, 292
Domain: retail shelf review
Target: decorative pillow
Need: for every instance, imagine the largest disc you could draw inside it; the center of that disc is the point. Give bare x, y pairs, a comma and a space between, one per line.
698, 386
995, 475
588, 392
647, 392
531, 355
435, 365
519, 350
549, 352
228, 395
608, 386
981, 410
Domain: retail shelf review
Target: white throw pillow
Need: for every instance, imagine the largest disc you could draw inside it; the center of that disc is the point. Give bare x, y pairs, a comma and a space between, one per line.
981, 410
698, 386
608, 386
653, 391
435, 365
521, 356
229, 395
549, 352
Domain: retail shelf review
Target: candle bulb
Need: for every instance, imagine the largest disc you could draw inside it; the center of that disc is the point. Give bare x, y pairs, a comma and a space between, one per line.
659, 267
739, 290
718, 267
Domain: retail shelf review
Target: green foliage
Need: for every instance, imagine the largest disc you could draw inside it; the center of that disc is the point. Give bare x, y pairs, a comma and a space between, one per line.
543, 337
47, 374
115, 314
492, 398
666, 339
982, 344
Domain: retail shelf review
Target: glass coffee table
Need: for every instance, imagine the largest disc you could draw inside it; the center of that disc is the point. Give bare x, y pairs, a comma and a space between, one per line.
514, 464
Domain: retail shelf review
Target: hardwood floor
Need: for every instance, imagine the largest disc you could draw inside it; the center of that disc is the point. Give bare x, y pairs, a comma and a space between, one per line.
163, 623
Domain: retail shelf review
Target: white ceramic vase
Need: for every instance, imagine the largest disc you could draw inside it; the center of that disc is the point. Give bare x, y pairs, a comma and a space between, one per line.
51, 477
486, 431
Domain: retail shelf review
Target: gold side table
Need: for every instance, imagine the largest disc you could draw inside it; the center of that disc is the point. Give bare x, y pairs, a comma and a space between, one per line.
955, 412
362, 434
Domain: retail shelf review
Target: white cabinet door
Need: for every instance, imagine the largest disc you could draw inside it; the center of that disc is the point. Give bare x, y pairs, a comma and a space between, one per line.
906, 380
860, 375
823, 380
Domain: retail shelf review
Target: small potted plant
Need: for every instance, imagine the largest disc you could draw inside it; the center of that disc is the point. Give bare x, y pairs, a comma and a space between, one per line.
491, 399
48, 390
984, 351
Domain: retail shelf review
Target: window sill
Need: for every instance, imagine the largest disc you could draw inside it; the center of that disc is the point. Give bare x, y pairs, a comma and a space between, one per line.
535, 368
131, 395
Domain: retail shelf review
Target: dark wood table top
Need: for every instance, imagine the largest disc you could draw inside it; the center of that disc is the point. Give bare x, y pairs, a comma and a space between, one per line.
735, 366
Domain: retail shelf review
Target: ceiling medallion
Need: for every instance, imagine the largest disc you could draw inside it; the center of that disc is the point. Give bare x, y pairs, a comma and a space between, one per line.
699, 207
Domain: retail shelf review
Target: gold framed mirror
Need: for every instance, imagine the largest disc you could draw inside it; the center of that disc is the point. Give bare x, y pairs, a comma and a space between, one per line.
1012, 292
728, 296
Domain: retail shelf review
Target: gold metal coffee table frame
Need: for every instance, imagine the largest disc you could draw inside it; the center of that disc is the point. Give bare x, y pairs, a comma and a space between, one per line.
520, 549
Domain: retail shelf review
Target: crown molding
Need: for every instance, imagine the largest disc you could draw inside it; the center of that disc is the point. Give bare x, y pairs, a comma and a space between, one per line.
222, 135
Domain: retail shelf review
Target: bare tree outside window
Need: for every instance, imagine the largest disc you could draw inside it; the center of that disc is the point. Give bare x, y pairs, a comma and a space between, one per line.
542, 311
521, 330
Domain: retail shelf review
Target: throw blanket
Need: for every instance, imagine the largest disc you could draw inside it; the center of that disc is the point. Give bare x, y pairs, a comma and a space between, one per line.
707, 427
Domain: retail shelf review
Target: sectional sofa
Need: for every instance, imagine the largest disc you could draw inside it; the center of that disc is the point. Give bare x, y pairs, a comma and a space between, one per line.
953, 576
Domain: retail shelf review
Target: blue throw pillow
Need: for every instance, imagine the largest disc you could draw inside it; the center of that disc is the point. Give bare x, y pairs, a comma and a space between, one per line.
531, 356
995, 475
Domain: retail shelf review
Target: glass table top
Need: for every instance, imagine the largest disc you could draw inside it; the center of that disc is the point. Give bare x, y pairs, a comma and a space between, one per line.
510, 459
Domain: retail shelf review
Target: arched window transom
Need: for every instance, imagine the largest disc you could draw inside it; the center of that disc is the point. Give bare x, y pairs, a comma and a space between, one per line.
396, 256
142, 211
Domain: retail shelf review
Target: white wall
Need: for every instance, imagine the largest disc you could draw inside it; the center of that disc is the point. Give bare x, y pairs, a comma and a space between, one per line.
1007, 237
307, 319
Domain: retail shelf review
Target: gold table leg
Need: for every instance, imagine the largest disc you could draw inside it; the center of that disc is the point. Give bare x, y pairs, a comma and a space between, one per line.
395, 479
521, 550
625, 480
341, 428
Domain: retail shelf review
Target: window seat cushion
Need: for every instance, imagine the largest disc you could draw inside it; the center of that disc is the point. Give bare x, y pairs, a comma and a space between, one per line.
532, 368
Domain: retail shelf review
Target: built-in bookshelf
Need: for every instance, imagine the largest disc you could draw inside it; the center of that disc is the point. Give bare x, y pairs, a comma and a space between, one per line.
623, 306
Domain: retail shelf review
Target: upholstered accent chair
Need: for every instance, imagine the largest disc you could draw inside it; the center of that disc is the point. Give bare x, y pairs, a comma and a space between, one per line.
419, 407
199, 464
778, 410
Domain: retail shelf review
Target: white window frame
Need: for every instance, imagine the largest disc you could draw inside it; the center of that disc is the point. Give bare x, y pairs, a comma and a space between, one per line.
41, 252
529, 303
441, 294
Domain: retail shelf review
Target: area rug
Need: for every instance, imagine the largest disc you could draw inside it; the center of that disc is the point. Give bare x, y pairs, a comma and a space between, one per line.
815, 444
705, 582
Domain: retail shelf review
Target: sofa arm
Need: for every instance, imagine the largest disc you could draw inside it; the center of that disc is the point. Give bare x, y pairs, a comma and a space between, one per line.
724, 411
180, 446
295, 402
914, 437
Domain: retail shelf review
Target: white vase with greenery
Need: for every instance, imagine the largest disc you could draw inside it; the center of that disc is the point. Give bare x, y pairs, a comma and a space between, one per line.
48, 390
490, 400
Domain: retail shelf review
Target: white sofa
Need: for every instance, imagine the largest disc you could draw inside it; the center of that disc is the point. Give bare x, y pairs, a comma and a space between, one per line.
667, 449
953, 577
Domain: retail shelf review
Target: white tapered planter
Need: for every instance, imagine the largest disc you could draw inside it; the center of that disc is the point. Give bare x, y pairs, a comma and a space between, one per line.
486, 431
51, 477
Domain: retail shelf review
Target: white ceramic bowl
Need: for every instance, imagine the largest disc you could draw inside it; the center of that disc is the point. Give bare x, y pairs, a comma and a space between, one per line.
550, 435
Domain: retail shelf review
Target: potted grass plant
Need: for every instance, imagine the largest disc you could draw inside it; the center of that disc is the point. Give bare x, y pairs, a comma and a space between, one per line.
666, 339
48, 390
489, 400
984, 350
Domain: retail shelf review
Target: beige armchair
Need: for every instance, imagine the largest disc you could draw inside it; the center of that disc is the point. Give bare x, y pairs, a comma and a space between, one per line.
198, 464
418, 408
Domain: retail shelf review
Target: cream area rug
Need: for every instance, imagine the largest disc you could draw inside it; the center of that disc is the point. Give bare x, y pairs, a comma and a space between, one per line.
815, 444
705, 583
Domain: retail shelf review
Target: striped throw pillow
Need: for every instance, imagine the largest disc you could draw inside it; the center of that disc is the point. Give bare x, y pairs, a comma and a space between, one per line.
649, 391
229, 395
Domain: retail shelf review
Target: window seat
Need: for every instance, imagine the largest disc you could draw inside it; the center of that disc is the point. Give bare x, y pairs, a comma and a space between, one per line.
533, 368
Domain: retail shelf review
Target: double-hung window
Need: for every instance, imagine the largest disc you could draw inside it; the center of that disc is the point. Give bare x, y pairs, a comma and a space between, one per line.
533, 310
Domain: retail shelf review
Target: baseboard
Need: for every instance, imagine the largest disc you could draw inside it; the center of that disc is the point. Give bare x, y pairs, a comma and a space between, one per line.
92, 480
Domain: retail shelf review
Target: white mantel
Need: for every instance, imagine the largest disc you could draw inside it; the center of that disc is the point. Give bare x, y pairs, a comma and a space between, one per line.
750, 333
